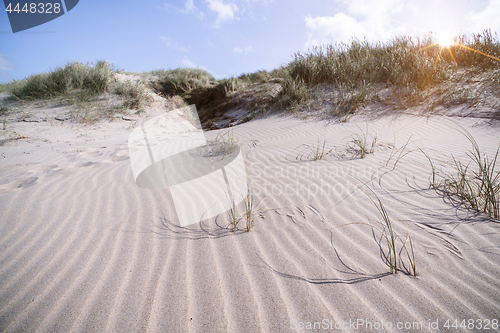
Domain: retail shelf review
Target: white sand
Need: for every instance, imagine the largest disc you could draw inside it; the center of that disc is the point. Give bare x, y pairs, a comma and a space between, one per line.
84, 249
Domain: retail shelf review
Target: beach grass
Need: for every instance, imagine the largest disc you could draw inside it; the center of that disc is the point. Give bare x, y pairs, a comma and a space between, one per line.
249, 212
477, 181
73, 81
411, 67
181, 81
398, 153
313, 152
434, 180
134, 93
415, 71
362, 144
223, 143
390, 235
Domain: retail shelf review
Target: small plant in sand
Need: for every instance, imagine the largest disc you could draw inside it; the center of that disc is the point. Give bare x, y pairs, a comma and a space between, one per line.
391, 236
313, 152
434, 182
248, 214
477, 182
399, 153
9, 135
224, 143
361, 144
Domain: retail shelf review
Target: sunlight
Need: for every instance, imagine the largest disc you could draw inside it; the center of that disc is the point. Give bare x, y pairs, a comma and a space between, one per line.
445, 40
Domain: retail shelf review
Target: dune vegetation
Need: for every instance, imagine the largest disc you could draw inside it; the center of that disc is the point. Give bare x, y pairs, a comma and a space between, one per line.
339, 79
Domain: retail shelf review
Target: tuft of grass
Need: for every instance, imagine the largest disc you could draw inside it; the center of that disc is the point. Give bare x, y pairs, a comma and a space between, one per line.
223, 144
391, 236
257, 77
477, 182
400, 152
295, 91
74, 80
249, 212
434, 182
313, 152
134, 93
181, 81
361, 144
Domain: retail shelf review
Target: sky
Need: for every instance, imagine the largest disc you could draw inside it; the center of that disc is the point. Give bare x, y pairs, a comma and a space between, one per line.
224, 37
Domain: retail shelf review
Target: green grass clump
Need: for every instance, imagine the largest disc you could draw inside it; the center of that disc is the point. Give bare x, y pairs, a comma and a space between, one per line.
477, 182
249, 213
313, 152
134, 93
181, 81
223, 144
257, 77
362, 145
84, 80
391, 236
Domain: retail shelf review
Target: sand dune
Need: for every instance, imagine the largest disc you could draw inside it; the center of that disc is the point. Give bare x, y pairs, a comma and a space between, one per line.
84, 249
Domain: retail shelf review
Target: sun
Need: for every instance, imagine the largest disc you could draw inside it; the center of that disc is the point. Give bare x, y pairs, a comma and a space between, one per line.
445, 40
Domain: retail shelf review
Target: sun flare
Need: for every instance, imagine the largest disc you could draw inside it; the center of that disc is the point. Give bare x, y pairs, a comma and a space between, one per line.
445, 40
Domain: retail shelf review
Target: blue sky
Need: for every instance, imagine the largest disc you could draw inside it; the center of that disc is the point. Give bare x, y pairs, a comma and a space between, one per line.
225, 37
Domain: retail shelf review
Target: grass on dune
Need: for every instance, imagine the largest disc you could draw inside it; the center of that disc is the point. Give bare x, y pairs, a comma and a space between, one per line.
415, 71
181, 81
223, 144
314, 152
391, 237
84, 86
411, 67
249, 213
475, 179
77, 79
361, 143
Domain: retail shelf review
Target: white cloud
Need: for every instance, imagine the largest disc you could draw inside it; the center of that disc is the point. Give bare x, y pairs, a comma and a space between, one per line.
364, 19
185, 62
325, 29
188, 6
173, 44
384, 19
245, 50
225, 11
488, 18
5, 67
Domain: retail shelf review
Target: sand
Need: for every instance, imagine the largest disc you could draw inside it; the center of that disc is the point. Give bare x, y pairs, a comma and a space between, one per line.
84, 249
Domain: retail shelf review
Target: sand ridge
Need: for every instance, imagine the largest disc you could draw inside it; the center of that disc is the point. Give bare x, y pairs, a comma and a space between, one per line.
83, 248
